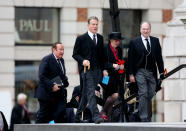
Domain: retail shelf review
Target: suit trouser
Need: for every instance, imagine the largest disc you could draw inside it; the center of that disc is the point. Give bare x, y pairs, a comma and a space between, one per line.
51, 110
90, 81
146, 90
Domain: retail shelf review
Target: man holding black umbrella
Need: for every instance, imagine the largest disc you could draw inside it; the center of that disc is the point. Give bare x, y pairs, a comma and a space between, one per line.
88, 51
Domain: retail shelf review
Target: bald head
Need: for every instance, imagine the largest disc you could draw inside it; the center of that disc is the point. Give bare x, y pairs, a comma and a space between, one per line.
145, 29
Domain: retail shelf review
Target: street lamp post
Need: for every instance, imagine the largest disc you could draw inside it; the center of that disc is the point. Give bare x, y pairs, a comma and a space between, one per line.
114, 13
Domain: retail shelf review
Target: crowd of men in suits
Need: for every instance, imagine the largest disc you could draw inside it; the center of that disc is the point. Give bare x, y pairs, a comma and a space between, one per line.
97, 62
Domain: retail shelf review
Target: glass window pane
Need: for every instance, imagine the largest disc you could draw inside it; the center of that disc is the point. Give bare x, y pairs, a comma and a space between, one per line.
129, 25
36, 25
26, 81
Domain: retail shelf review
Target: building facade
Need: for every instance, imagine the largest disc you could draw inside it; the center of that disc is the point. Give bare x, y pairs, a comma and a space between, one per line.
175, 55
29, 27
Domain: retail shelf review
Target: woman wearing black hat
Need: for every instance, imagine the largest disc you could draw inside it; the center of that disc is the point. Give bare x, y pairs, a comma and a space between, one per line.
114, 66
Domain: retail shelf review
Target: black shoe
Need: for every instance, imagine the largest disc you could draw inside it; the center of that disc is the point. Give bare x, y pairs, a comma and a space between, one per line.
84, 121
99, 120
81, 121
144, 120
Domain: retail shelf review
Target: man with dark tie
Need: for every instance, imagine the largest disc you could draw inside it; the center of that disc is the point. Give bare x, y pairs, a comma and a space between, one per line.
51, 88
88, 51
144, 57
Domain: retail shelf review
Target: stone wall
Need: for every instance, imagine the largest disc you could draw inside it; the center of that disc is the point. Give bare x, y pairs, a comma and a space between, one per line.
174, 50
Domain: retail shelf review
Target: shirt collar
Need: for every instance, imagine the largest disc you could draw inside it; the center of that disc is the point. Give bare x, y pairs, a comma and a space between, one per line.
55, 56
91, 34
143, 38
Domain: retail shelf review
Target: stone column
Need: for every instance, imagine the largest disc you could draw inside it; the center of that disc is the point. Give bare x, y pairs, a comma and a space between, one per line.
174, 52
6, 57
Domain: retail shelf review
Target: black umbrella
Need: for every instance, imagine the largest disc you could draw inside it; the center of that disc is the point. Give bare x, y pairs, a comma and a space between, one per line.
84, 82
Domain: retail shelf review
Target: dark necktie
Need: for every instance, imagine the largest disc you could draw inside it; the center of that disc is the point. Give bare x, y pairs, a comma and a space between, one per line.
94, 39
148, 45
60, 66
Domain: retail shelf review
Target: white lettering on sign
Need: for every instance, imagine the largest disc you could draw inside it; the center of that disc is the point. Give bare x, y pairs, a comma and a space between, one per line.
34, 25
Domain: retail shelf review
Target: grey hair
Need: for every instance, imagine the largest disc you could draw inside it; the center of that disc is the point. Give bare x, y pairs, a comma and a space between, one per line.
21, 96
91, 18
145, 22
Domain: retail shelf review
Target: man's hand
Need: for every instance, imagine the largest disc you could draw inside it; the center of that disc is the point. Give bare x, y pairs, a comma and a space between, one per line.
162, 76
77, 98
105, 73
55, 88
132, 79
86, 63
97, 93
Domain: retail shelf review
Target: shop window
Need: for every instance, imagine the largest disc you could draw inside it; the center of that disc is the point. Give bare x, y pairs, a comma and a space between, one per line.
26, 81
36, 25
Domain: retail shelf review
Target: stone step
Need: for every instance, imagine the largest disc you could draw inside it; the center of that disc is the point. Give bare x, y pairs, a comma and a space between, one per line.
102, 127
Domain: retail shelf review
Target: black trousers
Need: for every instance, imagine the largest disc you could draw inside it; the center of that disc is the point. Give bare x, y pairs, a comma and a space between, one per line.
90, 81
51, 110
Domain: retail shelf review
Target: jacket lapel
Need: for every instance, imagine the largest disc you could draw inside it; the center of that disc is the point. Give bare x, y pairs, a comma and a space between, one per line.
141, 45
98, 41
57, 65
152, 44
55, 62
62, 62
90, 39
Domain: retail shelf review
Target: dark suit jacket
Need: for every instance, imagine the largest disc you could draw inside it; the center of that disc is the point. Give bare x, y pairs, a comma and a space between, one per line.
5, 122
17, 118
49, 69
136, 54
85, 48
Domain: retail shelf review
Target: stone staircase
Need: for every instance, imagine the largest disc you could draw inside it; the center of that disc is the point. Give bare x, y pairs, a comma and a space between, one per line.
102, 127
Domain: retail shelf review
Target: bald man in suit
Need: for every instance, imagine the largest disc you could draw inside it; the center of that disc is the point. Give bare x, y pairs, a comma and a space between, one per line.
144, 58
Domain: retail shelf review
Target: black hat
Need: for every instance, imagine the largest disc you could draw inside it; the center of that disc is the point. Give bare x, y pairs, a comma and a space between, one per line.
115, 36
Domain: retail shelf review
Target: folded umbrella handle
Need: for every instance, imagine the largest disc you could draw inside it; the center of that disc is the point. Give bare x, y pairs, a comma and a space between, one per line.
86, 68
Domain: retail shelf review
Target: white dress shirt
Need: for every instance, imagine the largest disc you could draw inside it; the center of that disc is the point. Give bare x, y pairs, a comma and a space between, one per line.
145, 42
91, 36
59, 63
